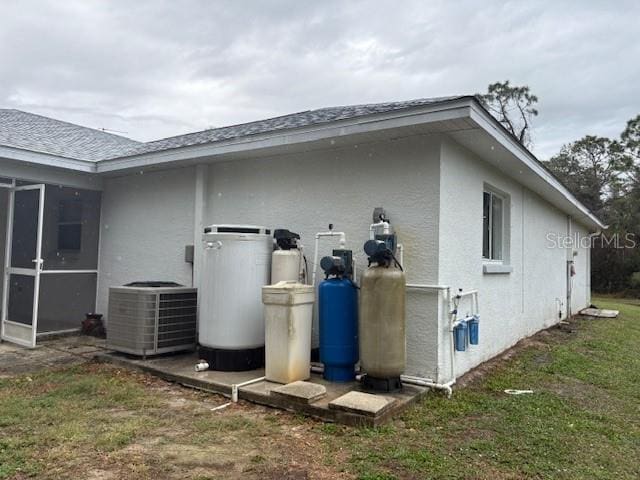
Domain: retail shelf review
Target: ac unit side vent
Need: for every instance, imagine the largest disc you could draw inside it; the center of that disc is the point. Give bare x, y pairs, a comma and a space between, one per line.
150, 321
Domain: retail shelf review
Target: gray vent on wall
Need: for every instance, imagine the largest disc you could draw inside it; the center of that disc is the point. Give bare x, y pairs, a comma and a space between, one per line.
150, 320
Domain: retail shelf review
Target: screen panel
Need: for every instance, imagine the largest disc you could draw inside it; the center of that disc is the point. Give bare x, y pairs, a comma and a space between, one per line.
24, 236
65, 298
21, 291
71, 229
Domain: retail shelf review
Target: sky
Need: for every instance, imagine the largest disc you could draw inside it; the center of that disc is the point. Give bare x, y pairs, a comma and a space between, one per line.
153, 69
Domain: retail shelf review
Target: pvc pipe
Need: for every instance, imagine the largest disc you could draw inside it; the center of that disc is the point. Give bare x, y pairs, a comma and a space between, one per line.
236, 386
401, 255
419, 286
427, 382
301, 275
221, 407
343, 240
466, 293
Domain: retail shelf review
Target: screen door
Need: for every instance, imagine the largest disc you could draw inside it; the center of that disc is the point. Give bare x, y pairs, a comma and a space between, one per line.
23, 265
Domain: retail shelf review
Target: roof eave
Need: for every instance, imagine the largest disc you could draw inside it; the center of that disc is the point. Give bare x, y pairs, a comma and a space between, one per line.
500, 134
46, 159
441, 111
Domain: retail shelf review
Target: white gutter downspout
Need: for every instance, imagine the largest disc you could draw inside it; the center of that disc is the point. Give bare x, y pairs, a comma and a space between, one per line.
588, 277
568, 265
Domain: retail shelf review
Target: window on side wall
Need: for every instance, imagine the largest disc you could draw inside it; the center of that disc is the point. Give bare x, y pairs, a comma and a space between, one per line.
70, 225
493, 231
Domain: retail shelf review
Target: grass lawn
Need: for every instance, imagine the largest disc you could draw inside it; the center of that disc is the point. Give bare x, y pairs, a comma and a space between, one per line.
582, 421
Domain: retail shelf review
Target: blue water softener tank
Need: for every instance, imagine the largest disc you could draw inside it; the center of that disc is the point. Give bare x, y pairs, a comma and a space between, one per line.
338, 319
474, 329
460, 336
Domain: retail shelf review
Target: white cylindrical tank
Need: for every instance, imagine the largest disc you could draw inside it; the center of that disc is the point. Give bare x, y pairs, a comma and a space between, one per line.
285, 266
288, 311
236, 265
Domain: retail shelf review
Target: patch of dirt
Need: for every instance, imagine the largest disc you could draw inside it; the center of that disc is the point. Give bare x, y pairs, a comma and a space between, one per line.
586, 395
99, 474
245, 441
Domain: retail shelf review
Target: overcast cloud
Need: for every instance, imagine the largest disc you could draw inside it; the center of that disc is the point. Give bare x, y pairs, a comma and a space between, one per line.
163, 68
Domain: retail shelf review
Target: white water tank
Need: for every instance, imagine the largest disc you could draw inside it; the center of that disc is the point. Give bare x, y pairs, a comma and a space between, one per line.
285, 266
236, 265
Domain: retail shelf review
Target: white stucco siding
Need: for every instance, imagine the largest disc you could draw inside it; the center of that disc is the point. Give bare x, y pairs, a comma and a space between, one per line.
147, 220
581, 286
512, 305
306, 192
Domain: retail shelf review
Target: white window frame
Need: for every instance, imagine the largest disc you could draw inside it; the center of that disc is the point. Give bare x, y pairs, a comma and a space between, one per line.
504, 248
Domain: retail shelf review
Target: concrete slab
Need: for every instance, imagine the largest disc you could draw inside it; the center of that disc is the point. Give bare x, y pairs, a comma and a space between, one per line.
52, 352
599, 313
305, 392
362, 403
179, 368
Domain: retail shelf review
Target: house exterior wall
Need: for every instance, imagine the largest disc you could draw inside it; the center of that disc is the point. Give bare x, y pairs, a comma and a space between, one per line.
432, 190
306, 192
513, 305
147, 220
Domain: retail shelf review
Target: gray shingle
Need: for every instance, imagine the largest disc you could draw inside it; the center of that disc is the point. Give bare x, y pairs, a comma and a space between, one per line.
33, 132
285, 122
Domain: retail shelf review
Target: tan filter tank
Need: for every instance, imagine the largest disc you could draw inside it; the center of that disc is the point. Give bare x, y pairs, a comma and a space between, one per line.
382, 330
285, 266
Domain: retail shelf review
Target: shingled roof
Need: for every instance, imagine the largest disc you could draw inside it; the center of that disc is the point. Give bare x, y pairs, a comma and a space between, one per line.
41, 134
29, 131
285, 122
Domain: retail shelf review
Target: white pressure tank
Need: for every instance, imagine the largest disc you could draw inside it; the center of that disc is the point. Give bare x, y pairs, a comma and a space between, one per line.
236, 265
285, 266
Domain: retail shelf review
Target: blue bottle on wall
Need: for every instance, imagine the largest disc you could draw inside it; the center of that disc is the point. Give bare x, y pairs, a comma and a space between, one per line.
460, 336
474, 330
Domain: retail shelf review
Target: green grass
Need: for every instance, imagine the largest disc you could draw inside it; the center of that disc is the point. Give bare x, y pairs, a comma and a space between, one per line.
65, 411
583, 421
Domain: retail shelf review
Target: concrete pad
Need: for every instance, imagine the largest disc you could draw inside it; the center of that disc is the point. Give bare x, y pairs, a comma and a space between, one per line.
179, 368
599, 313
362, 403
300, 391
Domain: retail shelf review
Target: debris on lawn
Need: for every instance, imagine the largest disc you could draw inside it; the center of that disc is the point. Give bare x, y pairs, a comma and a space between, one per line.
221, 407
510, 391
202, 366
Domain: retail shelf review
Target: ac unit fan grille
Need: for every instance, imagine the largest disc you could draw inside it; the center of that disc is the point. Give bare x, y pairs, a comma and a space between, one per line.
144, 322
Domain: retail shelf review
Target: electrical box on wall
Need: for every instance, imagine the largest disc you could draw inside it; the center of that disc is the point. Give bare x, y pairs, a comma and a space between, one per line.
189, 253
